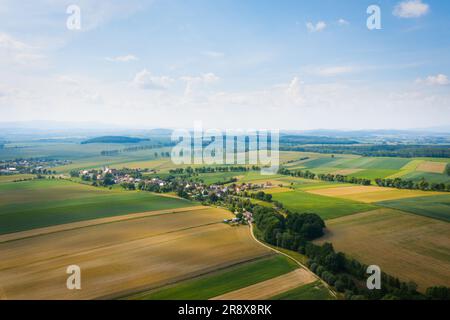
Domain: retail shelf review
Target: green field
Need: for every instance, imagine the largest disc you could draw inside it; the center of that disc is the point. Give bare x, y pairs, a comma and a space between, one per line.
311, 291
428, 176
326, 207
223, 281
217, 177
437, 207
41, 203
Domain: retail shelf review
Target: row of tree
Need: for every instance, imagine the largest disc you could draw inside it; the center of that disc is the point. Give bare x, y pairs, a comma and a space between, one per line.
324, 177
295, 232
408, 184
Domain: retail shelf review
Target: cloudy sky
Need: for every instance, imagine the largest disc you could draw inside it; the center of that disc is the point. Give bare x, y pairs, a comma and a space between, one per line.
230, 64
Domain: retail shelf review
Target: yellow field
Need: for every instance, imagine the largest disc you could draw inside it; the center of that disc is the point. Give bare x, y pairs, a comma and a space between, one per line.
277, 190
407, 168
370, 194
122, 257
408, 246
346, 172
270, 288
433, 167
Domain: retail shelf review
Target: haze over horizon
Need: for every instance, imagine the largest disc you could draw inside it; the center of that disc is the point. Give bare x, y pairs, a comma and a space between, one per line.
295, 65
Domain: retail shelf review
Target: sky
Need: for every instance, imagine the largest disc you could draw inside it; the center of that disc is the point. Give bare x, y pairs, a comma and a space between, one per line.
230, 64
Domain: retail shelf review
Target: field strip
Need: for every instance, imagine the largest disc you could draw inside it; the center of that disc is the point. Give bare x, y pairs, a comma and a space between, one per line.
407, 168
433, 167
124, 264
271, 287
292, 258
92, 222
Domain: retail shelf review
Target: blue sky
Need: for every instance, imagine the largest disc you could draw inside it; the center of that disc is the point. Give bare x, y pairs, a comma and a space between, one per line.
231, 64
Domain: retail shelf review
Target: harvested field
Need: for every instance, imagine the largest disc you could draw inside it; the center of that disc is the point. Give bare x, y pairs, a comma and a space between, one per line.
408, 246
87, 223
370, 194
431, 166
120, 258
271, 287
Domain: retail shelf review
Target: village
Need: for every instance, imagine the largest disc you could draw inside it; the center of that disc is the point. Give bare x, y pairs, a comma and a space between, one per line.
31, 166
184, 185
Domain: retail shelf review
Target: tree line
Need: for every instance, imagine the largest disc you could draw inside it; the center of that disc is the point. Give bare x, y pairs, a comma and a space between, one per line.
348, 276
408, 184
325, 177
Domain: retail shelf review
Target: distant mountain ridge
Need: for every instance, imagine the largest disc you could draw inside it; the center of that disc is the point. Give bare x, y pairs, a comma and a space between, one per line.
114, 139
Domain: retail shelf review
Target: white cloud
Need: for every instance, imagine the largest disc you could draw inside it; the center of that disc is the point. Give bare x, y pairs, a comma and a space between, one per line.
10, 43
343, 22
17, 52
334, 71
411, 9
145, 80
319, 26
126, 58
193, 82
213, 54
437, 80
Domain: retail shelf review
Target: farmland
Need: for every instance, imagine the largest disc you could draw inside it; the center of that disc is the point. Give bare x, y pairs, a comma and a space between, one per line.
223, 281
437, 207
42, 203
124, 257
311, 291
325, 207
144, 245
272, 287
369, 194
409, 246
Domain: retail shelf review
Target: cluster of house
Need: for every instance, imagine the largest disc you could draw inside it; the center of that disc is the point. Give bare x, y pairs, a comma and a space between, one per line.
246, 216
29, 165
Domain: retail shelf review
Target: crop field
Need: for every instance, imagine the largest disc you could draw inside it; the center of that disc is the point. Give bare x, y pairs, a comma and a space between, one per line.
272, 287
371, 194
428, 176
375, 167
311, 291
405, 245
437, 207
42, 203
222, 281
119, 258
430, 166
326, 207
15, 177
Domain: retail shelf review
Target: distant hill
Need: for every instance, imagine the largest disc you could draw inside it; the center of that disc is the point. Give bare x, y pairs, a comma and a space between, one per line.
114, 139
302, 139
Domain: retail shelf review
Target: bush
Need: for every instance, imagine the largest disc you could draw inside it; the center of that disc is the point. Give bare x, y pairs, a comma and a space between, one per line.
339, 285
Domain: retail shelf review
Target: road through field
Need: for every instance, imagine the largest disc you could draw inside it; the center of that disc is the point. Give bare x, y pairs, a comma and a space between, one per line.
272, 287
302, 266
